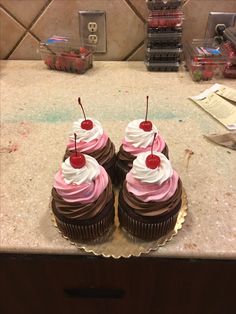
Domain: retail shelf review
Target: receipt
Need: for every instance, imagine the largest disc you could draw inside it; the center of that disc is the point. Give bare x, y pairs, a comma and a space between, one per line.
217, 106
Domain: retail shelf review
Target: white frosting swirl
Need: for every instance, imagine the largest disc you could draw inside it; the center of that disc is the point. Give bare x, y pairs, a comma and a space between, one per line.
85, 174
137, 136
159, 175
86, 135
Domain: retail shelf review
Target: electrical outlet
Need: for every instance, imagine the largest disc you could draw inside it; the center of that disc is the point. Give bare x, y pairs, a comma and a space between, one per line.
92, 39
92, 26
216, 18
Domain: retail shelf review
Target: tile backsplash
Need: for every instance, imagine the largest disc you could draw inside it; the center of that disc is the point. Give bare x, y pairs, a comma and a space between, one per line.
24, 23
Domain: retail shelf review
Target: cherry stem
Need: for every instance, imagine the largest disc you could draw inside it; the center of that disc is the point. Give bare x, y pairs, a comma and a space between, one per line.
79, 101
146, 109
154, 137
75, 144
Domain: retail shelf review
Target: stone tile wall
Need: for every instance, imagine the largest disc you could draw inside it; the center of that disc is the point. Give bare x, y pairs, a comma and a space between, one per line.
24, 23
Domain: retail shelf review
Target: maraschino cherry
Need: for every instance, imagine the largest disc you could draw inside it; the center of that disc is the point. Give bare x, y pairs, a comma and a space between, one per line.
153, 161
146, 125
86, 124
77, 160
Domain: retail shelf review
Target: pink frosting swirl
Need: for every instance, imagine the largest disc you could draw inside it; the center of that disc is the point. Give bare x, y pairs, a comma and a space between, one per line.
148, 192
84, 193
89, 147
158, 146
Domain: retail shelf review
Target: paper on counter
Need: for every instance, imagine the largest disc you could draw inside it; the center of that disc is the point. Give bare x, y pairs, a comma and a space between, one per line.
224, 91
218, 107
227, 140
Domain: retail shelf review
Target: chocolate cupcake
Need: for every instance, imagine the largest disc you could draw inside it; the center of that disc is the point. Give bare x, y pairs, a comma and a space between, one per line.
138, 139
93, 141
82, 199
150, 199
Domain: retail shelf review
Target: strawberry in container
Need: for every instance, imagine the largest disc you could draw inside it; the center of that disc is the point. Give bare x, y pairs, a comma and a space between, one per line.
59, 53
230, 71
165, 19
204, 59
50, 61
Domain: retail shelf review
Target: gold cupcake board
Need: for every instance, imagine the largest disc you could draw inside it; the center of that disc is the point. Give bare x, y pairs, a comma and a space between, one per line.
118, 243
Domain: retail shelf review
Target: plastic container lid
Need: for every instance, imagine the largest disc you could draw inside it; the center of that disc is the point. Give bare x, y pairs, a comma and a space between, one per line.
163, 4
205, 51
58, 44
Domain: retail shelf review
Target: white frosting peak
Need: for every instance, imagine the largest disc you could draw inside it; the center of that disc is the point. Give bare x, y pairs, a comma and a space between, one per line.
86, 135
159, 175
83, 175
137, 136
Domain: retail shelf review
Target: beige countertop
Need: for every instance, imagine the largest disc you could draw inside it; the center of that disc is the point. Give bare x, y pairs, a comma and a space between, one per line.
38, 107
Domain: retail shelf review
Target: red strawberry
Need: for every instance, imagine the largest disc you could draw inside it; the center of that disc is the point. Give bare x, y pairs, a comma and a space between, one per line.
49, 61
60, 63
207, 74
84, 51
79, 65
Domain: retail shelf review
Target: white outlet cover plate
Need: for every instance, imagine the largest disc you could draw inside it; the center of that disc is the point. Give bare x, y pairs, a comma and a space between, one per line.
86, 19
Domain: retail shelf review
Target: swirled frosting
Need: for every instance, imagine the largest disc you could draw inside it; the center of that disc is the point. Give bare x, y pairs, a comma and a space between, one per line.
137, 140
147, 184
82, 185
87, 140
104, 156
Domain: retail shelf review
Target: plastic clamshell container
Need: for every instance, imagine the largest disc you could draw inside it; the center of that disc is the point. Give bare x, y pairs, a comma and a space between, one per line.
155, 40
165, 19
162, 66
62, 54
163, 4
205, 59
230, 51
229, 71
164, 54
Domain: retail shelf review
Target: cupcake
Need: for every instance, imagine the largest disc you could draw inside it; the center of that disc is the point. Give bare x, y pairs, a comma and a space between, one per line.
82, 198
150, 199
138, 139
93, 141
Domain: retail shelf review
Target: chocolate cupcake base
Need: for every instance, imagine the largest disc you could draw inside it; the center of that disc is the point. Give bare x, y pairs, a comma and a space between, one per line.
110, 168
147, 227
88, 229
121, 171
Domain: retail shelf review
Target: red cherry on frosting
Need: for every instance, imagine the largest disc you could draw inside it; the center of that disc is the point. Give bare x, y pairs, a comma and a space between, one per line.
153, 161
86, 124
77, 160
146, 125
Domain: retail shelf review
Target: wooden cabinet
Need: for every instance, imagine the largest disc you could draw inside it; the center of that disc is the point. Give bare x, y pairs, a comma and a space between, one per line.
86, 284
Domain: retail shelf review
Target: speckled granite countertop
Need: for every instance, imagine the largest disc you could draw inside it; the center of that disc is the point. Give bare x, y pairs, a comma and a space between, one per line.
38, 107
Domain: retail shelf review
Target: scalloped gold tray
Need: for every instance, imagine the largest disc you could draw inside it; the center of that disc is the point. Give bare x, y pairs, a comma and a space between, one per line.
118, 243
